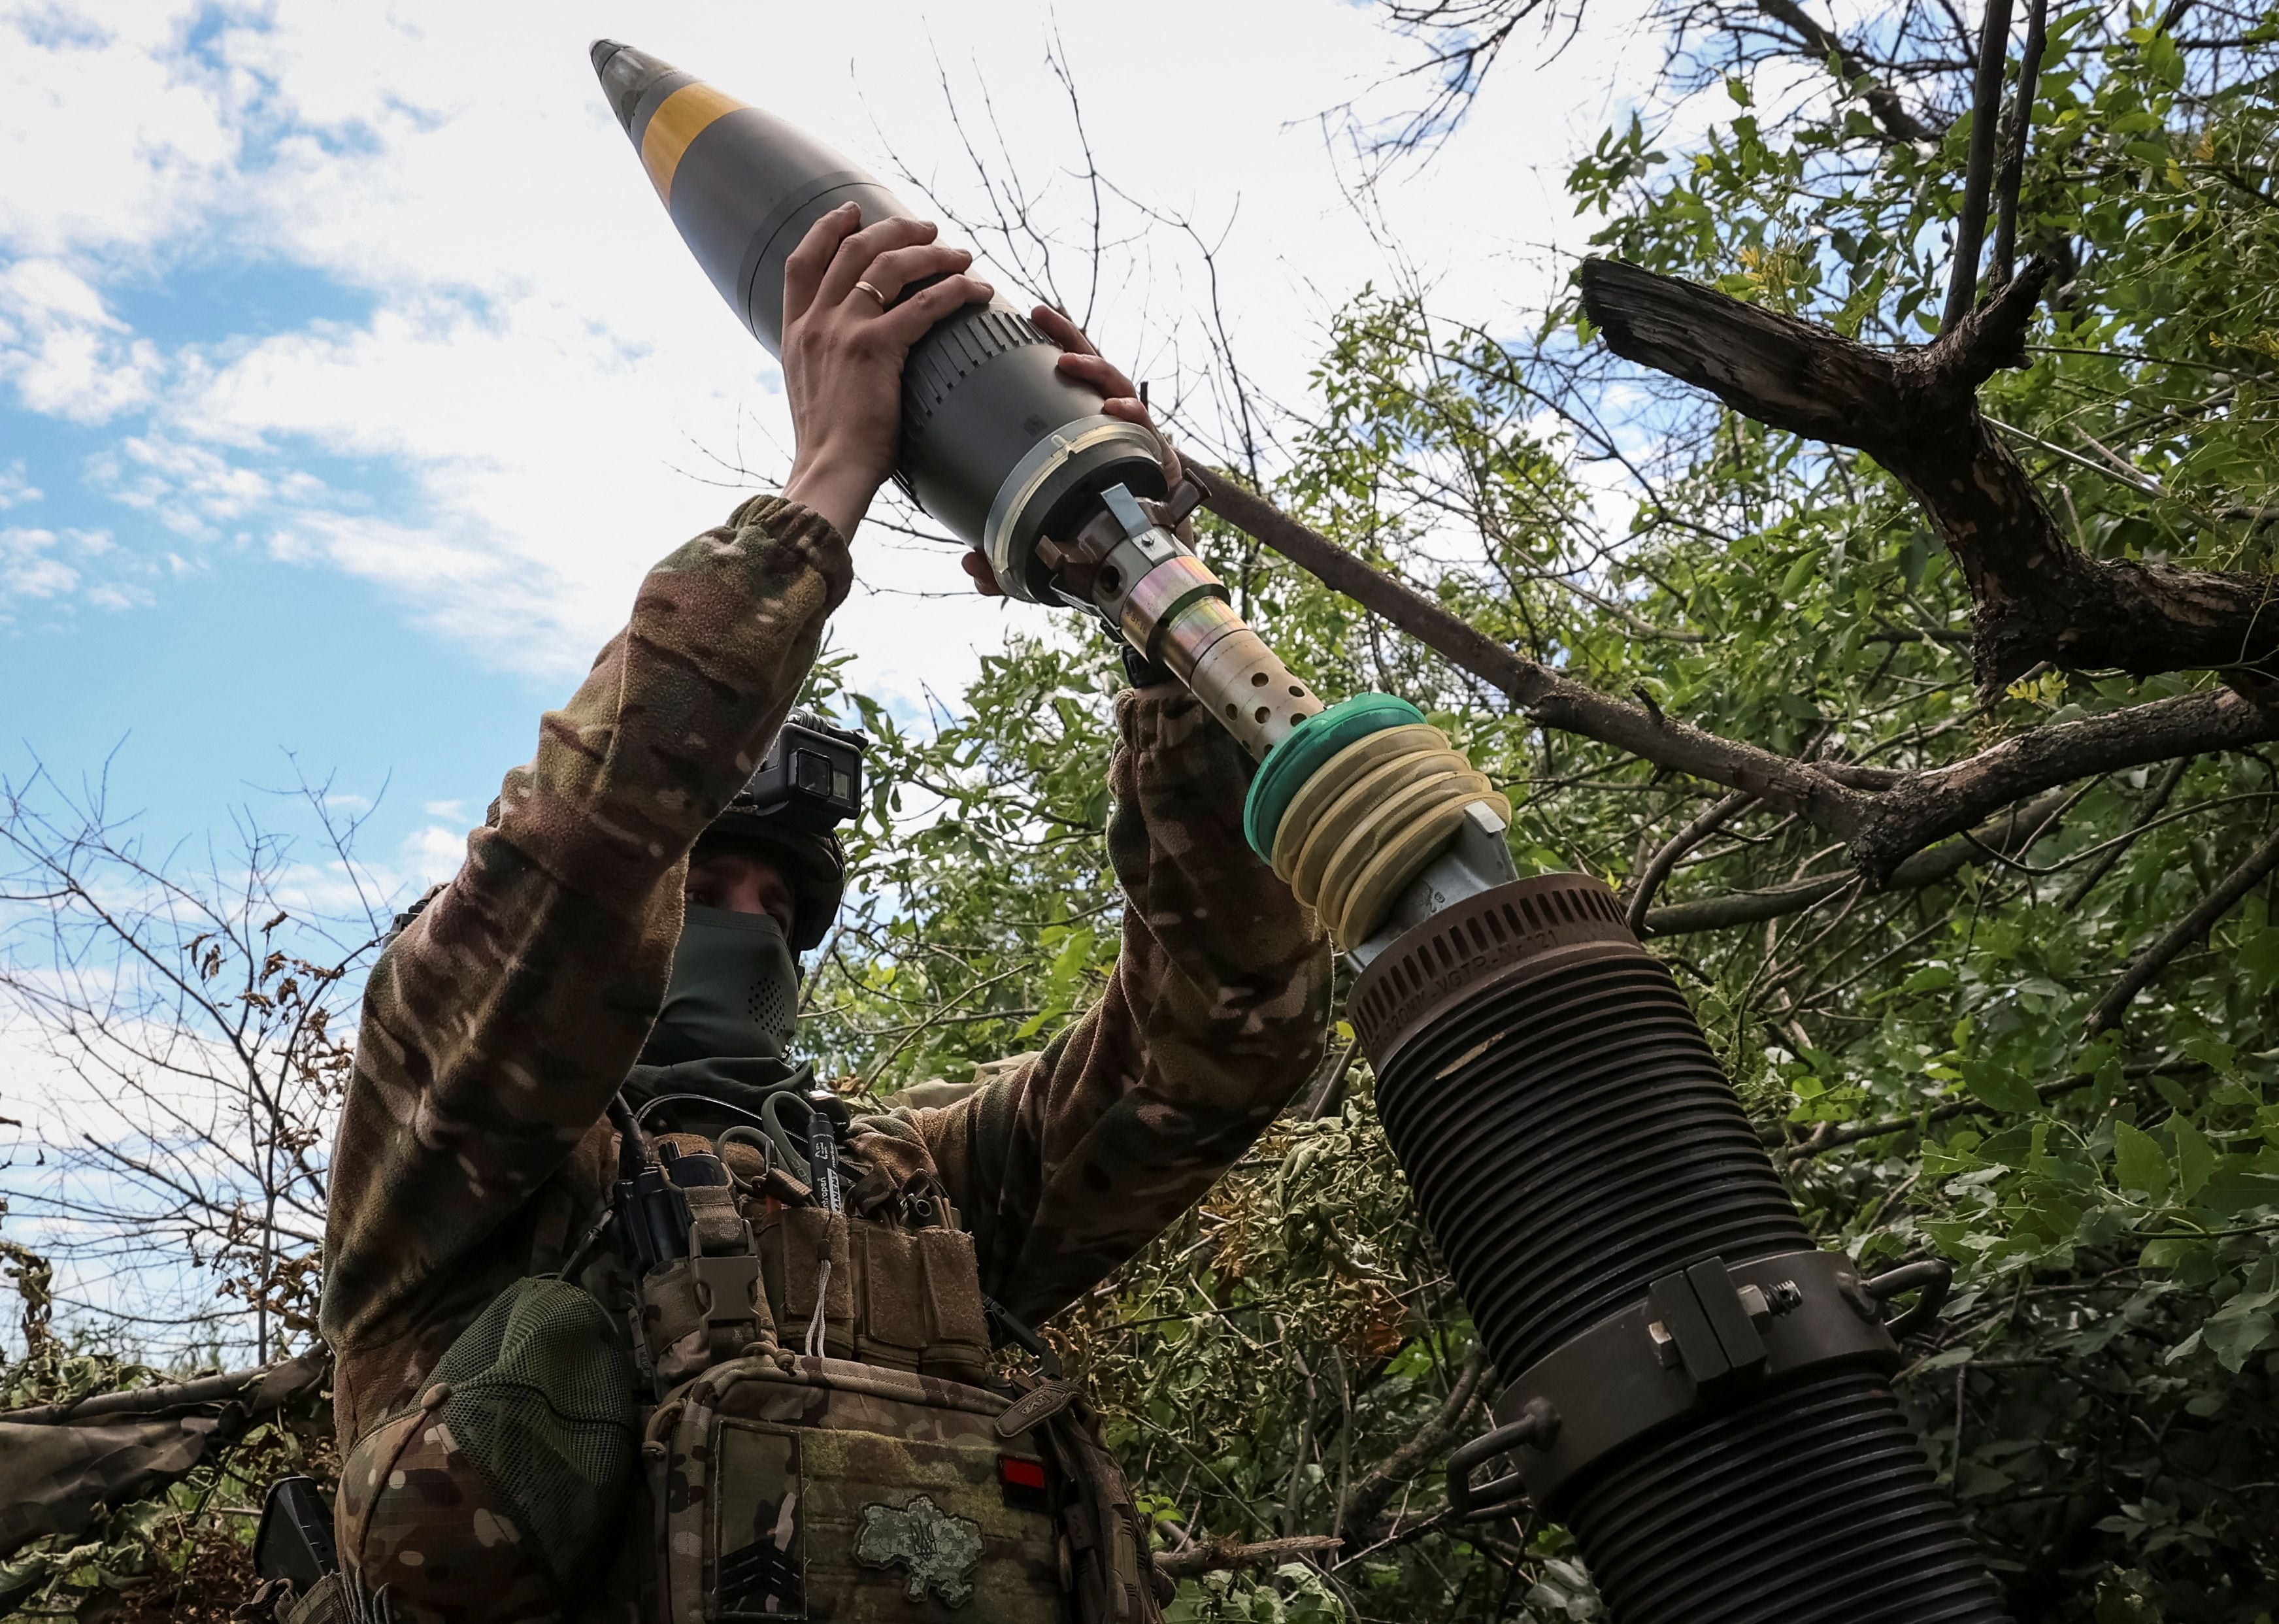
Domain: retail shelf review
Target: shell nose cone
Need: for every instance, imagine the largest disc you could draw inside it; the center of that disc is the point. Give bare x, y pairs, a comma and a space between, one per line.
626, 75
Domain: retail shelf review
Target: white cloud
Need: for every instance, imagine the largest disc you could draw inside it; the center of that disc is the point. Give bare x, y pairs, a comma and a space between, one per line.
545, 378
29, 566
189, 488
49, 563
431, 855
15, 489
65, 353
112, 139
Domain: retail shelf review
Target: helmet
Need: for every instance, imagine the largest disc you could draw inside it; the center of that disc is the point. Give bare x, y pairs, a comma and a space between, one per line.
809, 782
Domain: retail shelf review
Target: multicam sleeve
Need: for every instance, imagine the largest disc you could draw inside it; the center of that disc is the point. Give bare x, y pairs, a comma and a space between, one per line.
496, 1026
1214, 1014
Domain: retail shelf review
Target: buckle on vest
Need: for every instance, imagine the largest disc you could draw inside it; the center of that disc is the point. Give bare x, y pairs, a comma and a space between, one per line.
726, 1288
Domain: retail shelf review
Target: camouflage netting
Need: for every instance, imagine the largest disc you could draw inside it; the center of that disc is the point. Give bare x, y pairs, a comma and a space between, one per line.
125, 1497
542, 1402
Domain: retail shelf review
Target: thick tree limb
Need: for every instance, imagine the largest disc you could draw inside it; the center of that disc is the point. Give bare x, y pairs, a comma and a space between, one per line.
1211, 1556
2010, 836
1883, 101
2146, 968
1657, 870
1367, 1499
1549, 698
1883, 817
1929, 806
2035, 596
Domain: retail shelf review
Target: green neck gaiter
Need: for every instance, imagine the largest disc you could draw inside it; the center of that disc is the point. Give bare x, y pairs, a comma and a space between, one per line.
734, 992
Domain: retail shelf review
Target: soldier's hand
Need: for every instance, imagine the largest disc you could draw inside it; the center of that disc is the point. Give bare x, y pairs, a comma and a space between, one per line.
843, 349
1082, 362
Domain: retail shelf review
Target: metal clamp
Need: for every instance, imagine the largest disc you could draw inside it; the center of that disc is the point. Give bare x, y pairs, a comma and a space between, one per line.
1537, 1426
1706, 1337
1935, 1276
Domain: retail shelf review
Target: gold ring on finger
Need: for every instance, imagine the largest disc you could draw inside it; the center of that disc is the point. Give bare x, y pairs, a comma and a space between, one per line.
874, 293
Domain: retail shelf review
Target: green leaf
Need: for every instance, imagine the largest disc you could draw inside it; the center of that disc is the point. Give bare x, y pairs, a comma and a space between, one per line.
1999, 1086
2195, 1156
2233, 1337
2137, 1161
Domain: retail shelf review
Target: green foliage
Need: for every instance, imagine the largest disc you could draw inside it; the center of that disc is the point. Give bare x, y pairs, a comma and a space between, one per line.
986, 915
2100, 1395
185, 1554
1299, 1597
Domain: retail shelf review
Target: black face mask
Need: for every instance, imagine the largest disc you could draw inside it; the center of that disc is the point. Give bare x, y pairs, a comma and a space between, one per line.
734, 992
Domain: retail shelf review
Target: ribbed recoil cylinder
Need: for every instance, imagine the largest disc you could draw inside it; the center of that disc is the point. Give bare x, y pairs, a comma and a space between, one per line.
1570, 1139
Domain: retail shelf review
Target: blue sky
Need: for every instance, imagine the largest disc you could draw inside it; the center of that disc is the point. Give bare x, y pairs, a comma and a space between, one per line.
349, 374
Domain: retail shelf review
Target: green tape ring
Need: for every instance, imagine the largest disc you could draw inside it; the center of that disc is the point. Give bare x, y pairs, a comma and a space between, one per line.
1312, 742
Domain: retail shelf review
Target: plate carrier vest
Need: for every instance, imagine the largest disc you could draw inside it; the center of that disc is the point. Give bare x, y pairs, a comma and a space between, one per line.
818, 1428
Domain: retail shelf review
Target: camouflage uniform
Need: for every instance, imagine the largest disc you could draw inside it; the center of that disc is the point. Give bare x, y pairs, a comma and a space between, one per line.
472, 1151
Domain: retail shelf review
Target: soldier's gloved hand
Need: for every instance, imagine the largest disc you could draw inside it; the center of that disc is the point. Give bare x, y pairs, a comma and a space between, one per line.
1083, 363
843, 349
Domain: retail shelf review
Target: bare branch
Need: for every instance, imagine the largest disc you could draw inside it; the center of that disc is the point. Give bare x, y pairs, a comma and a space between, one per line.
1548, 698
2022, 130
1657, 868
2036, 597
1978, 182
1369, 1498
2008, 835
1223, 1555
2146, 968
1882, 100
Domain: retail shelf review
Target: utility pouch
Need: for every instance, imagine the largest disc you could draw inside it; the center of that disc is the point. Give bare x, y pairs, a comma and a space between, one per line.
508, 1478
903, 1299
790, 1488
707, 1306
806, 1252
1112, 1576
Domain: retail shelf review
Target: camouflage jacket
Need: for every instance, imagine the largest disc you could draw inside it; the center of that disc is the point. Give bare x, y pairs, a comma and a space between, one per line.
471, 1149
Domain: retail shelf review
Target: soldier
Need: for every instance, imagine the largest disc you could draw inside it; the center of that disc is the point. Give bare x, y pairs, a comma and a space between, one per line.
597, 1360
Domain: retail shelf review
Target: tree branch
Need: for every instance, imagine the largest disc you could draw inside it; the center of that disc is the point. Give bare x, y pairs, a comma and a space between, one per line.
1882, 100
1657, 870
1978, 180
1832, 1137
2022, 130
1885, 821
2035, 596
1219, 1555
2116, 850
2006, 836
2146, 968
1549, 698
1929, 806
1367, 1499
